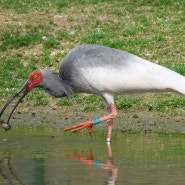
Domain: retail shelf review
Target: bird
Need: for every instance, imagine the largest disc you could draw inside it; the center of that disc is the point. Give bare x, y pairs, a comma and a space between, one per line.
103, 71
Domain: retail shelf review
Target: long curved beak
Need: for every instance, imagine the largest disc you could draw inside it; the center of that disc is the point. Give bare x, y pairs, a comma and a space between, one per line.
23, 89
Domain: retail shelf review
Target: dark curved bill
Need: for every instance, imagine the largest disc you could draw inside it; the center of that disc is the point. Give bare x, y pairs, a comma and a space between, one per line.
21, 89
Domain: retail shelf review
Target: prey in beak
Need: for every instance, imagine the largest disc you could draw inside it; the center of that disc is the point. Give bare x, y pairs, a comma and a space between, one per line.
22, 89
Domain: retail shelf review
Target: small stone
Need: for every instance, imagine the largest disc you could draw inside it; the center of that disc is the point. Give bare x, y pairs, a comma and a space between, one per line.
145, 131
150, 108
33, 114
72, 32
4, 140
135, 116
152, 122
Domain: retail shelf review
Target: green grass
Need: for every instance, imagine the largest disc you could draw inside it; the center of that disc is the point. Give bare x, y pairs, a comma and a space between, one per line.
50, 43
17, 41
38, 34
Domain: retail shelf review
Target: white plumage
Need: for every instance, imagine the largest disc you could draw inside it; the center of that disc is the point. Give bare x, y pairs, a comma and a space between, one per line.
138, 77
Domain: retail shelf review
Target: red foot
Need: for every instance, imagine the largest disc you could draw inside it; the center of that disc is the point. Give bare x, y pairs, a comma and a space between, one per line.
81, 126
111, 114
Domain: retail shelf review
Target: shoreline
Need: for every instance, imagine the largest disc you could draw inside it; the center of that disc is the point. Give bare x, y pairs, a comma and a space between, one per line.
136, 121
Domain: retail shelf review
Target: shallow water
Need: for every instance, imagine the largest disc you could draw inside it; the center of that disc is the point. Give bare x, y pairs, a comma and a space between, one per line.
42, 155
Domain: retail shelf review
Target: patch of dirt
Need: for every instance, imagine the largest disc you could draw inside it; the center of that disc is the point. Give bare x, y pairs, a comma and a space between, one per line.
61, 117
145, 120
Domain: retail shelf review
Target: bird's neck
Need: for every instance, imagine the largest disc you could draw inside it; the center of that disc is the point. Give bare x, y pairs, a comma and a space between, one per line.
55, 85
67, 89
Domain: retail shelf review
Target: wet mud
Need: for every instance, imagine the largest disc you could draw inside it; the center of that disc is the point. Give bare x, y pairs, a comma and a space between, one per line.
144, 121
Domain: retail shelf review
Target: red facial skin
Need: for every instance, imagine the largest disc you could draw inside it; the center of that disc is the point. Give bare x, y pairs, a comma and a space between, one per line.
34, 79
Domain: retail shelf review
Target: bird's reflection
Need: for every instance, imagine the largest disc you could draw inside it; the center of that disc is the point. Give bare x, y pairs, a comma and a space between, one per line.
6, 171
112, 171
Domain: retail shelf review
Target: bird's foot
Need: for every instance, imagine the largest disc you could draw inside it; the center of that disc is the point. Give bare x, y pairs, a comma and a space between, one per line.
83, 125
111, 114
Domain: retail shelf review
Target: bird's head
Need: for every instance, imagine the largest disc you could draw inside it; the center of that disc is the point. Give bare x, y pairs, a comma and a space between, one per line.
46, 79
35, 78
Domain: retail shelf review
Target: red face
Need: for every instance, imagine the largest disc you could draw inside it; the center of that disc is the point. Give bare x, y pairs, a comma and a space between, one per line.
34, 79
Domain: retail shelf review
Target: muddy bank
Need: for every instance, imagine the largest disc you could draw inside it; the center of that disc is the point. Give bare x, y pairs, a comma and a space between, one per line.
146, 121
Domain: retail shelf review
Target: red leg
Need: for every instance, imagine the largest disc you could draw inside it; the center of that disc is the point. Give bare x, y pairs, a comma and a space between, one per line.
112, 112
109, 131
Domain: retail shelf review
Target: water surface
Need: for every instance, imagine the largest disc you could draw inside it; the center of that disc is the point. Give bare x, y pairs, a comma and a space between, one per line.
42, 155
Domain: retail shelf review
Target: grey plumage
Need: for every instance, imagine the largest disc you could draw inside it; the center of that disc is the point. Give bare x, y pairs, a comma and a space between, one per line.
54, 84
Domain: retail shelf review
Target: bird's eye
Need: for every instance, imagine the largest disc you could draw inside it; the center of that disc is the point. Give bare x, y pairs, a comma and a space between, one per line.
34, 76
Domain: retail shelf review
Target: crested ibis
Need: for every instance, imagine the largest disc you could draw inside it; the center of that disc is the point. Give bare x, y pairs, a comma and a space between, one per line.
102, 71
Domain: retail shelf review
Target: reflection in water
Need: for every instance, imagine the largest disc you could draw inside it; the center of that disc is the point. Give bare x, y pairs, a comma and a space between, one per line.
62, 160
49, 162
9, 174
112, 171
6, 171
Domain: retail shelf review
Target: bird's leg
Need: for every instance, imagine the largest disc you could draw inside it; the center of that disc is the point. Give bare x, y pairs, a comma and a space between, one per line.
109, 131
112, 112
